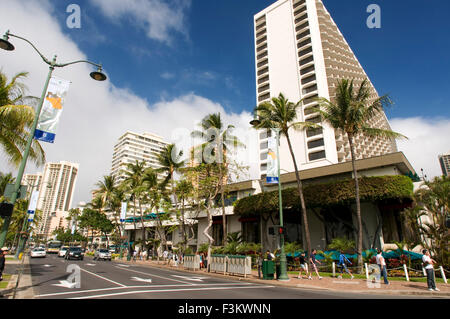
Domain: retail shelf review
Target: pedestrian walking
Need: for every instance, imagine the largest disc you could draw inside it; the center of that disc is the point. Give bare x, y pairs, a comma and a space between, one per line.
3, 252
342, 264
201, 261
304, 266
259, 261
313, 261
382, 264
169, 257
144, 254
429, 269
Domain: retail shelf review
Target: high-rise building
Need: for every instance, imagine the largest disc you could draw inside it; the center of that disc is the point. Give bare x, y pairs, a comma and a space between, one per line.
444, 160
33, 181
300, 52
133, 147
57, 187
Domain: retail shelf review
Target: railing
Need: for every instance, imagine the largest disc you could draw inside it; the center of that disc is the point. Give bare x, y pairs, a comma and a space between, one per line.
232, 265
191, 262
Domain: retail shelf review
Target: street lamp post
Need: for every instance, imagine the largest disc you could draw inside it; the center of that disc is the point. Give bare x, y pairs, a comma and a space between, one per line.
283, 261
97, 75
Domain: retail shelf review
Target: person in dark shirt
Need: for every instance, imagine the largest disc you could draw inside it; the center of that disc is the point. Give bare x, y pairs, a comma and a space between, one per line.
3, 252
313, 261
303, 266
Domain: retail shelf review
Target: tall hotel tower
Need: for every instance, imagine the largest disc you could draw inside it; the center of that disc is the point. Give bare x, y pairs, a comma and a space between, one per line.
132, 147
300, 52
56, 187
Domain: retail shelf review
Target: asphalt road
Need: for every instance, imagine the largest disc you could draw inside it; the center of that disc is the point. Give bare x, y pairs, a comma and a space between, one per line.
53, 278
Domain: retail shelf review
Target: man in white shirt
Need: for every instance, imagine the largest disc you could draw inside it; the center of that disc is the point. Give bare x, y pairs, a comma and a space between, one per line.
428, 264
382, 264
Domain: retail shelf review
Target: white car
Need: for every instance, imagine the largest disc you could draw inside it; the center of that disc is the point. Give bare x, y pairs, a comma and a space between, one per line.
62, 251
38, 252
102, 254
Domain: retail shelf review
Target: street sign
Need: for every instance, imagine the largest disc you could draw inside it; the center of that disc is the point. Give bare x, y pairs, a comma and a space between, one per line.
9, 190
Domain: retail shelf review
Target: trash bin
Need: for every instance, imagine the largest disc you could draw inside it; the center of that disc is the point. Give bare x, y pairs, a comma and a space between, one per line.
268, 269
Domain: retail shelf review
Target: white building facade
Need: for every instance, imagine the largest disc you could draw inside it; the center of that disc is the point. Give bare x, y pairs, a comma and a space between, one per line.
300, 52
56, 186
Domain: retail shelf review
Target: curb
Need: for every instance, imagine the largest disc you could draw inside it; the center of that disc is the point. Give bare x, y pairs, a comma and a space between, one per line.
281, 284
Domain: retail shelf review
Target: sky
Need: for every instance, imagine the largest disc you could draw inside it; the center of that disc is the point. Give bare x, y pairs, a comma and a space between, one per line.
171, 62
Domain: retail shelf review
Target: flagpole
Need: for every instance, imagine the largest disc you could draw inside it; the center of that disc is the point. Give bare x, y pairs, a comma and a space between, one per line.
23, 163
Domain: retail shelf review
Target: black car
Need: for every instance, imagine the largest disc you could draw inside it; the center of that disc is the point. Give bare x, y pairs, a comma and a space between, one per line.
75, 253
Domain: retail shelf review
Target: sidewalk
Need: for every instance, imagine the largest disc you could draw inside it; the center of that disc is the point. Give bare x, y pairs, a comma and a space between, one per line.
326, 283
25, 289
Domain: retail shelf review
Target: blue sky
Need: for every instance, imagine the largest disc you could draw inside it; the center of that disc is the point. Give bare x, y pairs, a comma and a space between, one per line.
213, 55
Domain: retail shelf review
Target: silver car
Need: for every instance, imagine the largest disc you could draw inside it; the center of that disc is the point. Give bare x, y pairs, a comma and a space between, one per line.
102, 254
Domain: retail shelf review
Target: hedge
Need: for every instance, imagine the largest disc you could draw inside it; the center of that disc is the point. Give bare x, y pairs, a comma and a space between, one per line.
372, 189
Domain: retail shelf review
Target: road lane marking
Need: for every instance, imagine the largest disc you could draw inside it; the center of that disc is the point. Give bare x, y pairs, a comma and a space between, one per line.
119, 284
152, 275
168, 290
191, 278
133, 287
141, 279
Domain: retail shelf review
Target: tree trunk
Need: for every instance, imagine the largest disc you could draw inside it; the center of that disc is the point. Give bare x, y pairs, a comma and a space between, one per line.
358, 204
206, 232
222, 198
302, 199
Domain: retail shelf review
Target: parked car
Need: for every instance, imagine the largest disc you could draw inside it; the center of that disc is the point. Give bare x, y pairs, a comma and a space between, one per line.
62, 251
38, 252
102, 254
74, 253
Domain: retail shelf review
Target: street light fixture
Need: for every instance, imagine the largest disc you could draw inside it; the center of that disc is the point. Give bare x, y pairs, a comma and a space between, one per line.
283, 261
96, 75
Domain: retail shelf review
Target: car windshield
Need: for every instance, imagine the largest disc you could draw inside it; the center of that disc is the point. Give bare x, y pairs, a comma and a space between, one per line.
75, 249
103, 251
64, 248
39, 249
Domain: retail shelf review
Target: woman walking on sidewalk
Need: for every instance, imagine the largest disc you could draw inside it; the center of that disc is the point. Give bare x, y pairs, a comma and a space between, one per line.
304, 266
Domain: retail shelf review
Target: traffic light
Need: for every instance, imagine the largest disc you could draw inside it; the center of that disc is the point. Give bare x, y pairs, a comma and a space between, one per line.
281, 230
6, 209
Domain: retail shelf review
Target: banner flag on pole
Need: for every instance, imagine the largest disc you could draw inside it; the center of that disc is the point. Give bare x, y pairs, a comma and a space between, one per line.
123, 212
32, 205
272, 163
51, 110
73, 229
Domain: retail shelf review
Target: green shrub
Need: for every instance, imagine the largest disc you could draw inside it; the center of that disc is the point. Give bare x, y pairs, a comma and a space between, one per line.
342, 244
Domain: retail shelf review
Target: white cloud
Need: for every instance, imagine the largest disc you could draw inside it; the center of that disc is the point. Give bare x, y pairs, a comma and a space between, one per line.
157, 17
427, 138
167, 75
96, 114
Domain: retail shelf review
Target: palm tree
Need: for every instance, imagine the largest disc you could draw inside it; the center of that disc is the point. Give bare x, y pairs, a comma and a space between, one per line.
184, 190
281, 114
351, 111
5, 179
214, 134
170, 162
134, 185
16, 118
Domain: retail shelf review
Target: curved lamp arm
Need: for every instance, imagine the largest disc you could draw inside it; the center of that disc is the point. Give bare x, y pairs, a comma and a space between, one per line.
51, 63
42, 56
